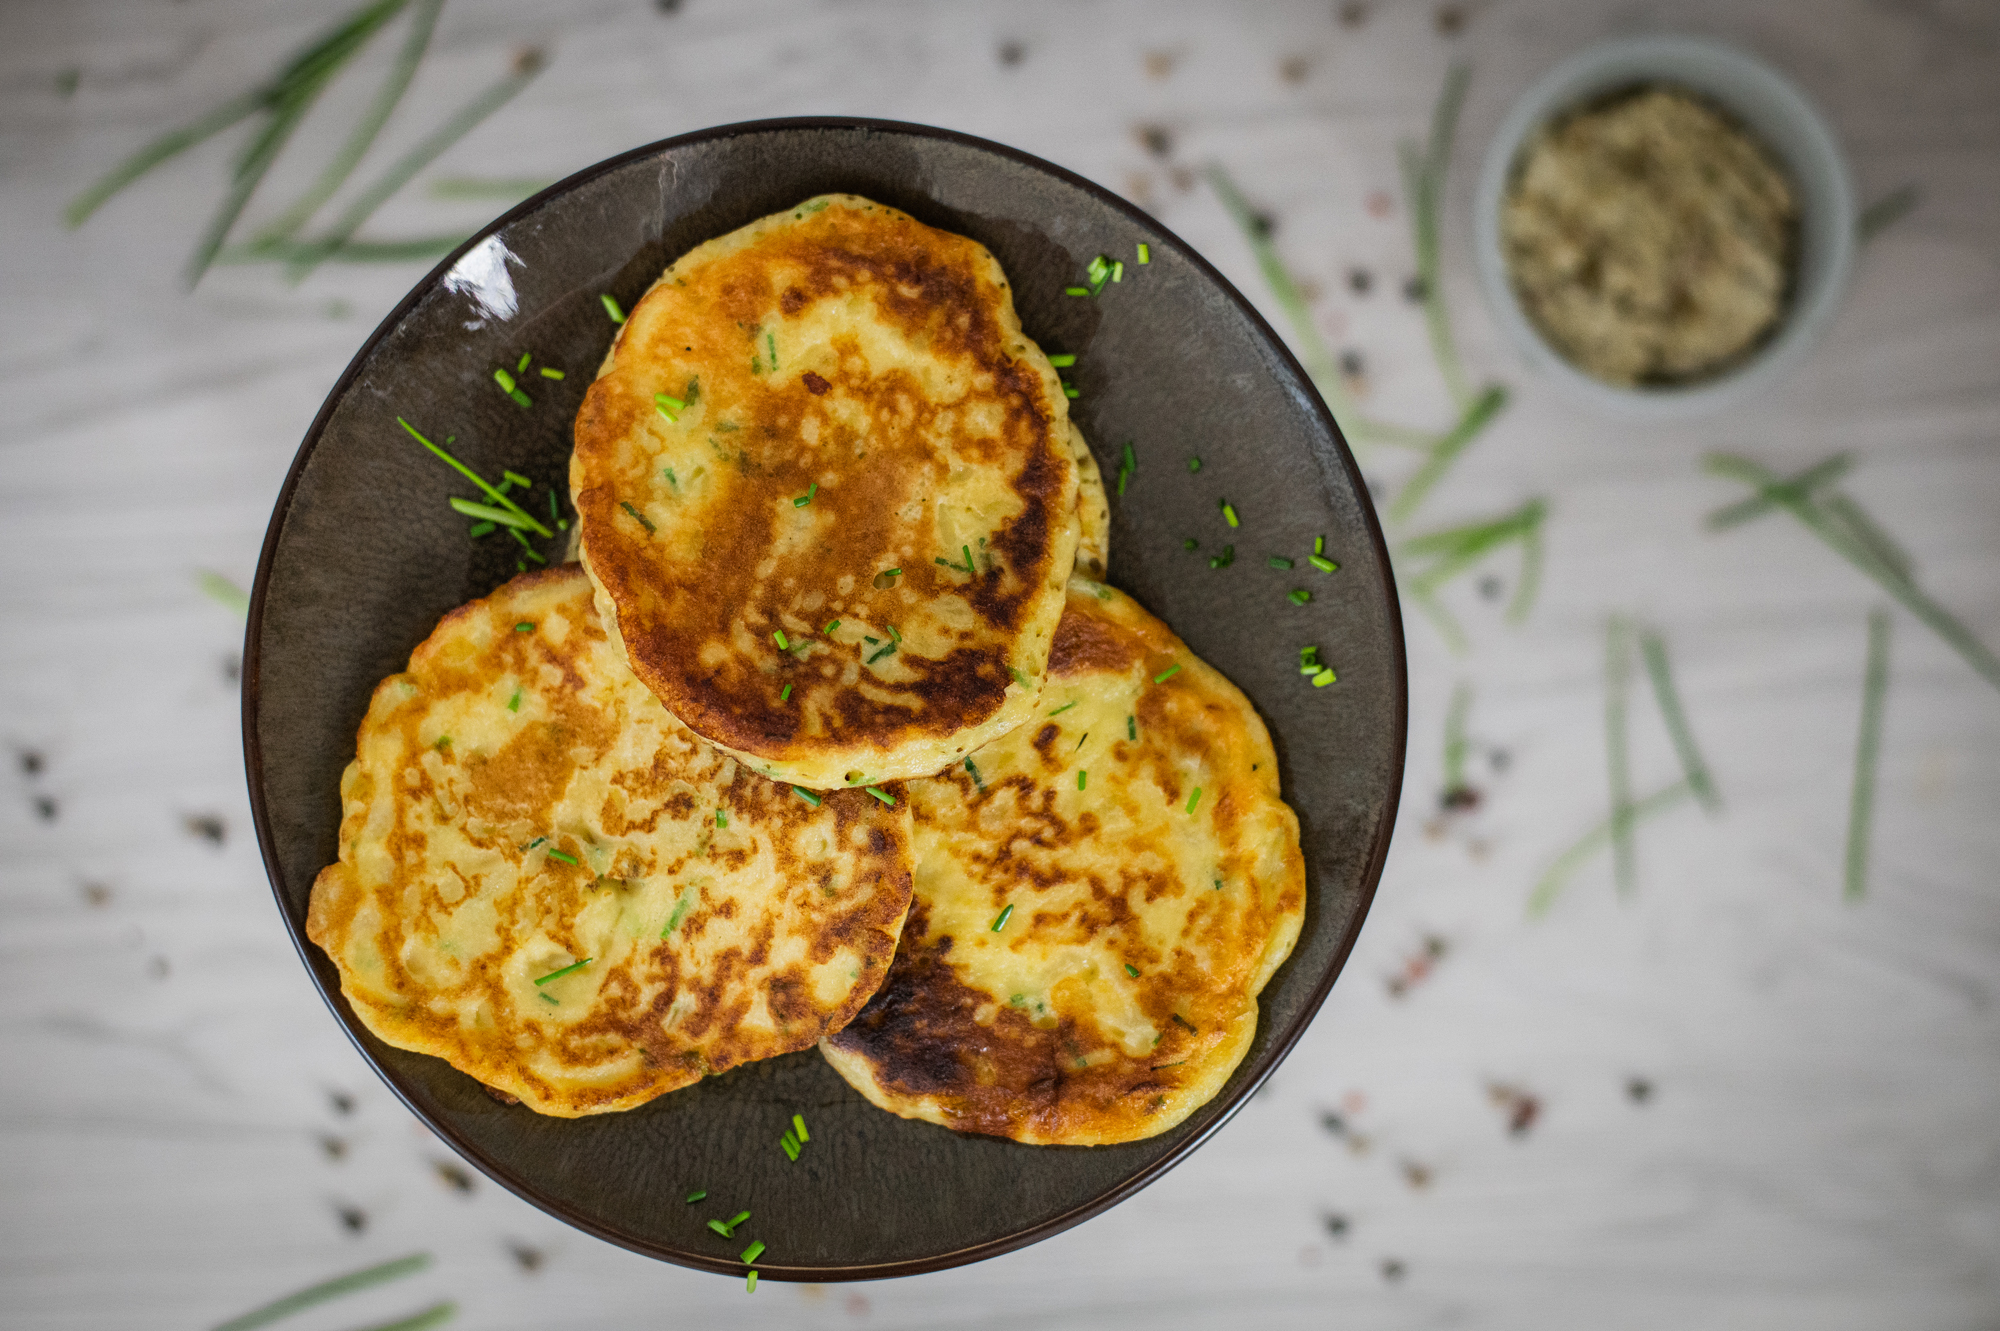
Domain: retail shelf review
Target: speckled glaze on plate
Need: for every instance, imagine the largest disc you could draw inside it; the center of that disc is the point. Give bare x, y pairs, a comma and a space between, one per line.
363, 557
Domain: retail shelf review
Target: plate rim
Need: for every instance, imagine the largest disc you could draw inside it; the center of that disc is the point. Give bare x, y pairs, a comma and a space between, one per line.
1283, 1041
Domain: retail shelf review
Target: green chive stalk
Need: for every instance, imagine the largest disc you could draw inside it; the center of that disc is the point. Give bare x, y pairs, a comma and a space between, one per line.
1867, 748
314, 1295
1617, 754
1551, 884
1653, 650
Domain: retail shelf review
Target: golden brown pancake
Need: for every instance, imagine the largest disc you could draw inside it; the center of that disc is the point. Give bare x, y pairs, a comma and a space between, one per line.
1082, 959
519, 804
827, 495
1093, 510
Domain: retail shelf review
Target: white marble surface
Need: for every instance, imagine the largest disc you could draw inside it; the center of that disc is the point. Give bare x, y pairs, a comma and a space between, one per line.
1819, 1148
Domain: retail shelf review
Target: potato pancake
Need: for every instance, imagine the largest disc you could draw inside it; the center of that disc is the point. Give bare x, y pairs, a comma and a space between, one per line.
1093, 510
1100, 897
827, 495
549, 882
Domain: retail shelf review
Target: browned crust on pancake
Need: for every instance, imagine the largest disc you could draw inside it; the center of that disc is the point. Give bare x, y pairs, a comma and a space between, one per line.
521, 784
931, 1045
702, 320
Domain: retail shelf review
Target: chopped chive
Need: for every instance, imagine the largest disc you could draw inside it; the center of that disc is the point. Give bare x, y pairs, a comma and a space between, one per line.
564, 856
486, 512
807, 497
1020, 676
472, 476
1064, 708
894, 636
1132, 727
1082, 778
751, 1253
570, 969
719, 1227
966, 551
1861, 803
1228, 512
1298, 596
549, 372
1190, 545
1185, 1022
611, 308
1319, 545
525, 626
799, 1126
892, 572
750, 1283
1080, 739
940, 559
791, 1148
515, 532
1158, 1067
523, 363
806, 795
1071, 392
1118, 270
738, 1218
1145, 255
1000, 921
505, 380
1279, 561
1131, 970
1194, 799
778, 636
554, 511
1223, 560
1168, 673
521, 398
882, 795
644, 521
479, 529
887, 648
785, 694
514, 703
1322, 563
696, 1196
771, 344
1076, 291
1194, 464
667, 405
1062, 360
335, 1288
1324, 678
831, 625
550, 999
518, 479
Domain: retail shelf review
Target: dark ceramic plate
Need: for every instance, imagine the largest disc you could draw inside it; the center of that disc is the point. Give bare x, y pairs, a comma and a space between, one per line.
364, 556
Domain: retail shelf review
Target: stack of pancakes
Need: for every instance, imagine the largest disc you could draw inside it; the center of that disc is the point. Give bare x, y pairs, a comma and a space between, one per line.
829, 737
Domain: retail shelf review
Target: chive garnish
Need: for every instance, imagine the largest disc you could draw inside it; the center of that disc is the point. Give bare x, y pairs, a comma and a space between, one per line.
785, 694
523, 363
882, 795
1072, 392
550, 999
611, 308
1082, 777
1223, 560
977, 780
720, 1228
667, 406
533, 554
644, 521
525, 626
1097, 270
564, 856
1161, 1067
1319, 545
443, 743
1298, 596
1168, 673
1062, 360
549, 372
570, 969
696, 1196
1019, 676
1064, 708
721, 818
474, 477
831, 625
806, 795
505, 380
1322, 563
799, 1126
1185, 1022
1131, 970
1118, 270
778, 636
478, 529
1132, 727
750, 1284
1080, 739
1228, 512
1190, 545
750, 1254
1076, 291
1194, 464
738, 1218
790, 1145
522, 398
892, 572
887, 648
1324, 678
514, 703
518, 479
894, 636
1145, 255
326, 1290
1000, 921
1279, 561
1194, 799
807, 497
966, 551
771, 344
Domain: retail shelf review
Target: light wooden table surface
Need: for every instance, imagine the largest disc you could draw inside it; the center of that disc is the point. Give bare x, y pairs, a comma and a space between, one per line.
185, 1132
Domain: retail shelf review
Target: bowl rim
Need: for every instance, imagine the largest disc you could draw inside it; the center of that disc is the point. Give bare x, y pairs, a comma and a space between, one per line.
1282, 1042
1598, 68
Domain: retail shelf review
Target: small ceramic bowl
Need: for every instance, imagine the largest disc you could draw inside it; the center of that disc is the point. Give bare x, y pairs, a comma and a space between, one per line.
1777, 114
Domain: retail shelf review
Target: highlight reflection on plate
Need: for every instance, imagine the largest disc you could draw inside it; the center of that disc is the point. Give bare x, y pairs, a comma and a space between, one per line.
364, 556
